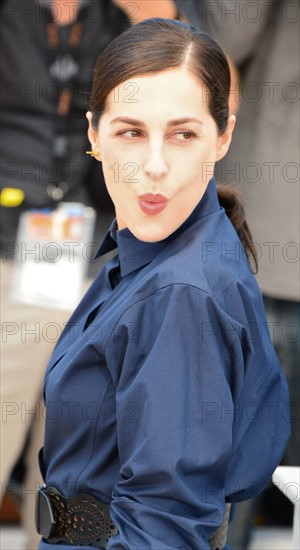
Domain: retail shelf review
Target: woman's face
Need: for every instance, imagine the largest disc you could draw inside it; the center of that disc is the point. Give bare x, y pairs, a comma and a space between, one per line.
158, 145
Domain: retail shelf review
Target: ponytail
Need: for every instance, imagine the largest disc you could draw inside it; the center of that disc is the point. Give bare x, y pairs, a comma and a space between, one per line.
229, 199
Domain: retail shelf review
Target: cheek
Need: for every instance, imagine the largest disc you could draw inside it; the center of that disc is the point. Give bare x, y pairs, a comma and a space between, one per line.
110, 165
194, 169
202, 165
116, 184
116, 166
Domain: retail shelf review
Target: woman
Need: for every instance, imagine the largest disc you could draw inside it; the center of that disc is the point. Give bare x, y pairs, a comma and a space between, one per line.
165, 400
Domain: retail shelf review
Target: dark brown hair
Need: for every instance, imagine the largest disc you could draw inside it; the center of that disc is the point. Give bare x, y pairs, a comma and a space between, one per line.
156, 45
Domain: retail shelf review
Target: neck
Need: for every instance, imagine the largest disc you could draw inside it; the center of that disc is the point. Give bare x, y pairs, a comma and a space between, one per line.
64, 11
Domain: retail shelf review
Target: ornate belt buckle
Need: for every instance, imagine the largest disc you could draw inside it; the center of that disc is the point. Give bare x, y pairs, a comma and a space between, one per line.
80, 520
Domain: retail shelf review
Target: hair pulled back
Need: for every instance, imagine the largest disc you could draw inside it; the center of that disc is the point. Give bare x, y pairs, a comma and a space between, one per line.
156, 45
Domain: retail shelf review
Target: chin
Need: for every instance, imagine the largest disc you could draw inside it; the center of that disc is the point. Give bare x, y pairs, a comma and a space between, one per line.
151, 234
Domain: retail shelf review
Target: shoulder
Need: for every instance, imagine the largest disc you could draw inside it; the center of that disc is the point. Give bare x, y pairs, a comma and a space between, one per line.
209, 258
199, 281
205, 264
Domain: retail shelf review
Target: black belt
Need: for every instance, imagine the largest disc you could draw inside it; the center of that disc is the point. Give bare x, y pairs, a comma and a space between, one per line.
84, 521
81, 520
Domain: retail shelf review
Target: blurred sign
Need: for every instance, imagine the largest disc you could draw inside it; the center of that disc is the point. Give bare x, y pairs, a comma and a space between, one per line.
52, 258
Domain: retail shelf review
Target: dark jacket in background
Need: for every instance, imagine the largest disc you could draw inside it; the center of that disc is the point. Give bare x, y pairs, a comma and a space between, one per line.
31, 80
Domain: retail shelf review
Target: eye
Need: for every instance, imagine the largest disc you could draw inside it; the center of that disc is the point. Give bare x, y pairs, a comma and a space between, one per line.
133, 133
188, 135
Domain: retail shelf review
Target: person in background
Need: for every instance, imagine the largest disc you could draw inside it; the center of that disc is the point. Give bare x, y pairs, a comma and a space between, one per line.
262, 39
48, 52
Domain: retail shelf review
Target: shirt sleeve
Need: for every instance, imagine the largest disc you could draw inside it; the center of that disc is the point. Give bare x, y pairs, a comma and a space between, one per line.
261, 414
172, 450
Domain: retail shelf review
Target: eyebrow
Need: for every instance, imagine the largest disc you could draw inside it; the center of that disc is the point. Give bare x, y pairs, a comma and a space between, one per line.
174, 122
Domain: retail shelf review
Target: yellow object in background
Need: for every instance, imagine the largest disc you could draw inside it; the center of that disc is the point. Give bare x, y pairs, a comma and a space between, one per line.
11, 196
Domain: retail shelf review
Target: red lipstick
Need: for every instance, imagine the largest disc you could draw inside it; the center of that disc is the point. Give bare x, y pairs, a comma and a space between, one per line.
152, 204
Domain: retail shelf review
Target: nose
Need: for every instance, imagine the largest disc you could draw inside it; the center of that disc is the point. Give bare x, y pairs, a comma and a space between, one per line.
155, 165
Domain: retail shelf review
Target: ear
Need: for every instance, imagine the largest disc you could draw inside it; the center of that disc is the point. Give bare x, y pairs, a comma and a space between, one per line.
93, 136
225, 139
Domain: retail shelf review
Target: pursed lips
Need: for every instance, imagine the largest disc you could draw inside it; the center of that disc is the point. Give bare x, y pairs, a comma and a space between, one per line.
152, 204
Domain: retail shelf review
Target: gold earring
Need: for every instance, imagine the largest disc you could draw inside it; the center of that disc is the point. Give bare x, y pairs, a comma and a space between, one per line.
92, 153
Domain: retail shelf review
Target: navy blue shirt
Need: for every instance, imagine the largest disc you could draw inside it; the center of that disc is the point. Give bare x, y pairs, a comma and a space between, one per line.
164, 394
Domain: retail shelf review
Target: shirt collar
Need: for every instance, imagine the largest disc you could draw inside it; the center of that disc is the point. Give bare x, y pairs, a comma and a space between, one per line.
134, 253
